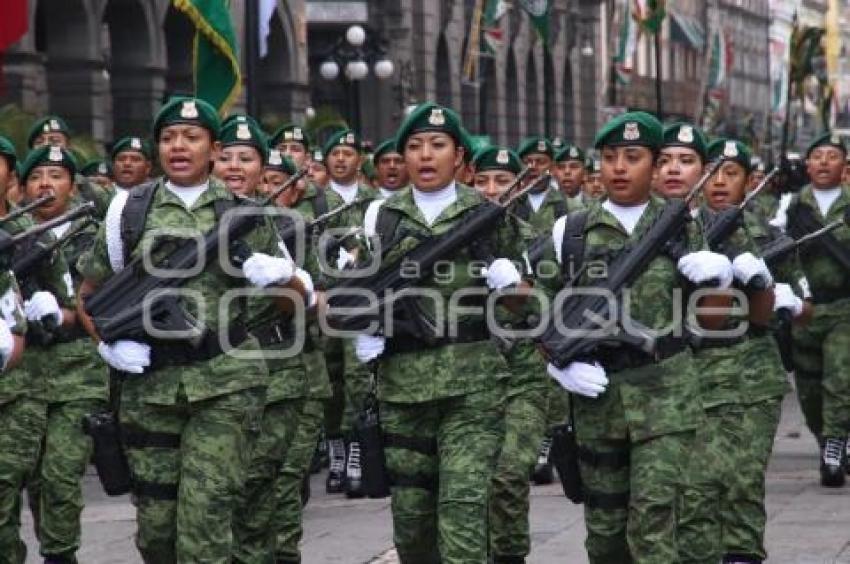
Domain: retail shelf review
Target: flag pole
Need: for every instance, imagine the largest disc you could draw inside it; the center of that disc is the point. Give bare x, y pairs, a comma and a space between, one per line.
659, 103
252, 56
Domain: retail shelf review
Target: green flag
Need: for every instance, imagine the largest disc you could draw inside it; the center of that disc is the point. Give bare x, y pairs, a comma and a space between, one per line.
218, 78
652, 15
538, 11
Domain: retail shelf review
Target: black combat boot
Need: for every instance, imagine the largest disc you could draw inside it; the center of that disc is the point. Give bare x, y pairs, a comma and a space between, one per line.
353, 471
832, 463
542, 473
60, 559
320, 456
741, 559
336, 471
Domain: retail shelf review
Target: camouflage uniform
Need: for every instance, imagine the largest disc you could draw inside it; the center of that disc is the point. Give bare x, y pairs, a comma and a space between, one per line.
23, 418
822, 347
76, 386
441, 409
741, 384
765, 204
187, 428
635, 438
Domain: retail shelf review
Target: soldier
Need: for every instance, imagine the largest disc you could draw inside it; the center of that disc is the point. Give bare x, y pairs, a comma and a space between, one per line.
132, 162
318, 171
23, 412
593, 184
292, 141
64, 359
526, 395
822, 369
635, 414
240, 162
187, 412
766, 203
390, 167
570, 171
742, 383
99, 172
440, 401
681, 161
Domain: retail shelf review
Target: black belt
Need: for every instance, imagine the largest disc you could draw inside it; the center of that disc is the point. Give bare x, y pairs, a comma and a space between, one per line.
466, 334
614, 359
722, 342
274, 334
181, 353
821, 297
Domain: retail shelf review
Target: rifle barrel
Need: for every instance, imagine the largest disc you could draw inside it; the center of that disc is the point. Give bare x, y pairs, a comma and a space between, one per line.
37, 203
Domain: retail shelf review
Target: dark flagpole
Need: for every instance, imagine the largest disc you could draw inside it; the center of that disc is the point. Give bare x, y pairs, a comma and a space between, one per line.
659, 103
252, 58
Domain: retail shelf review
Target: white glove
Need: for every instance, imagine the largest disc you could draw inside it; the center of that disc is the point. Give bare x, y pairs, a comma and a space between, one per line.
344, 259
126, 356
580, 378
307, 281
41, 305
785, 298
501, 274
263, 270
7, 344
369, 347
746, 266
703, 266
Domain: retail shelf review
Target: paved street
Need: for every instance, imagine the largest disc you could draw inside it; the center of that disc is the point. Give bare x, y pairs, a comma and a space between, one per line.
808, 525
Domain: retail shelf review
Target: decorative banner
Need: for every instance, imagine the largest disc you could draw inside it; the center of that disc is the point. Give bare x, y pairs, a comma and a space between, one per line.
627, 40
493, 36
538, 11
651, 14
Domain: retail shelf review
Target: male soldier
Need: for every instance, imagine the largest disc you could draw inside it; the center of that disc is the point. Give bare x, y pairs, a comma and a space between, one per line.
23, 413
593, 184
64, 359
99, 172
132, 162
318, 171
526, 396
292, 141
390, 167
766, 203
187, 412
540, 209
635, 413
822, 366
440, 399
570, 172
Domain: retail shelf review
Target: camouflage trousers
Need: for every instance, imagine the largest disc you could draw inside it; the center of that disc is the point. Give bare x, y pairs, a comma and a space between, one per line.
334, 408
188, 462
22, 424
55, 489
357, 382
524, 427
557, 404
822, 370
288, 514
440, 457
723, 505
253, 518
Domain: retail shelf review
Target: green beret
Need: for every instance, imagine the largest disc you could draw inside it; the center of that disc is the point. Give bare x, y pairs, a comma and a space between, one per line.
276, 160
386, 146
48, 155
757, 164
7, 149
497, 158
48, 124
96, 167
558, 143
186, 110
347, 137
477, 143
688, 136
569, 153
630, 129
137, 144
731, 150
827, 138
368, 169
242, 130
429, 117
290, 133
532, 145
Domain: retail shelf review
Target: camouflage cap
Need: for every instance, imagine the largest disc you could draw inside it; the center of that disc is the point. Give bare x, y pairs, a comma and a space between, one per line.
497, 158
533, 145
275, 160
631, 129
384, 147
48, 155
569, 152
346, 137
186, 110
827, 138
688, 136
731, 150
430, 117
7, 150
48, 124
242, 130
96, 167
290, 133
132, 144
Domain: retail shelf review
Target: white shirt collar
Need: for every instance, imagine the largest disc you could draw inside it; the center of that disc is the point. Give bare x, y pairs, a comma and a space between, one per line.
628, 216
188, 194
346, 192
432, 204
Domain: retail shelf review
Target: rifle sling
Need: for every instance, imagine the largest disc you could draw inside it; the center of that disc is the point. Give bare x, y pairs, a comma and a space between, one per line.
802, 221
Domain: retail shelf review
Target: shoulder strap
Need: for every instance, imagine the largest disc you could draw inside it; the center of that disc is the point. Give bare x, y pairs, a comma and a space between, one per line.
133, 216
572, 245
560, 207
522, 209
387, 224
320, 203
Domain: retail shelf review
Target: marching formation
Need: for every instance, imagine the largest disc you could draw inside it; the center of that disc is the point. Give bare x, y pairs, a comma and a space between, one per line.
214, 312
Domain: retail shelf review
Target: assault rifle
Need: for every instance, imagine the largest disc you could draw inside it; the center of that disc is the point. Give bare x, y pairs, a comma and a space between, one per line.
9, 243
350, 293
23, 266
585, 316
18, 212
782, 246
120, 307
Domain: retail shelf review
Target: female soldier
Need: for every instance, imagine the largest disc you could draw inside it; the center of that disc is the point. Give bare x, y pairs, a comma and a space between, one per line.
681, 161
243, 152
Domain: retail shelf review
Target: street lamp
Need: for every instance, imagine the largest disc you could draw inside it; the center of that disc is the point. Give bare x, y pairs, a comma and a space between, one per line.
352, 55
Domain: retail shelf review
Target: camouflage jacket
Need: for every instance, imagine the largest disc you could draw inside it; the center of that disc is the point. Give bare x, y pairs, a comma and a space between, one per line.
543, 219
219, 300
765, 205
